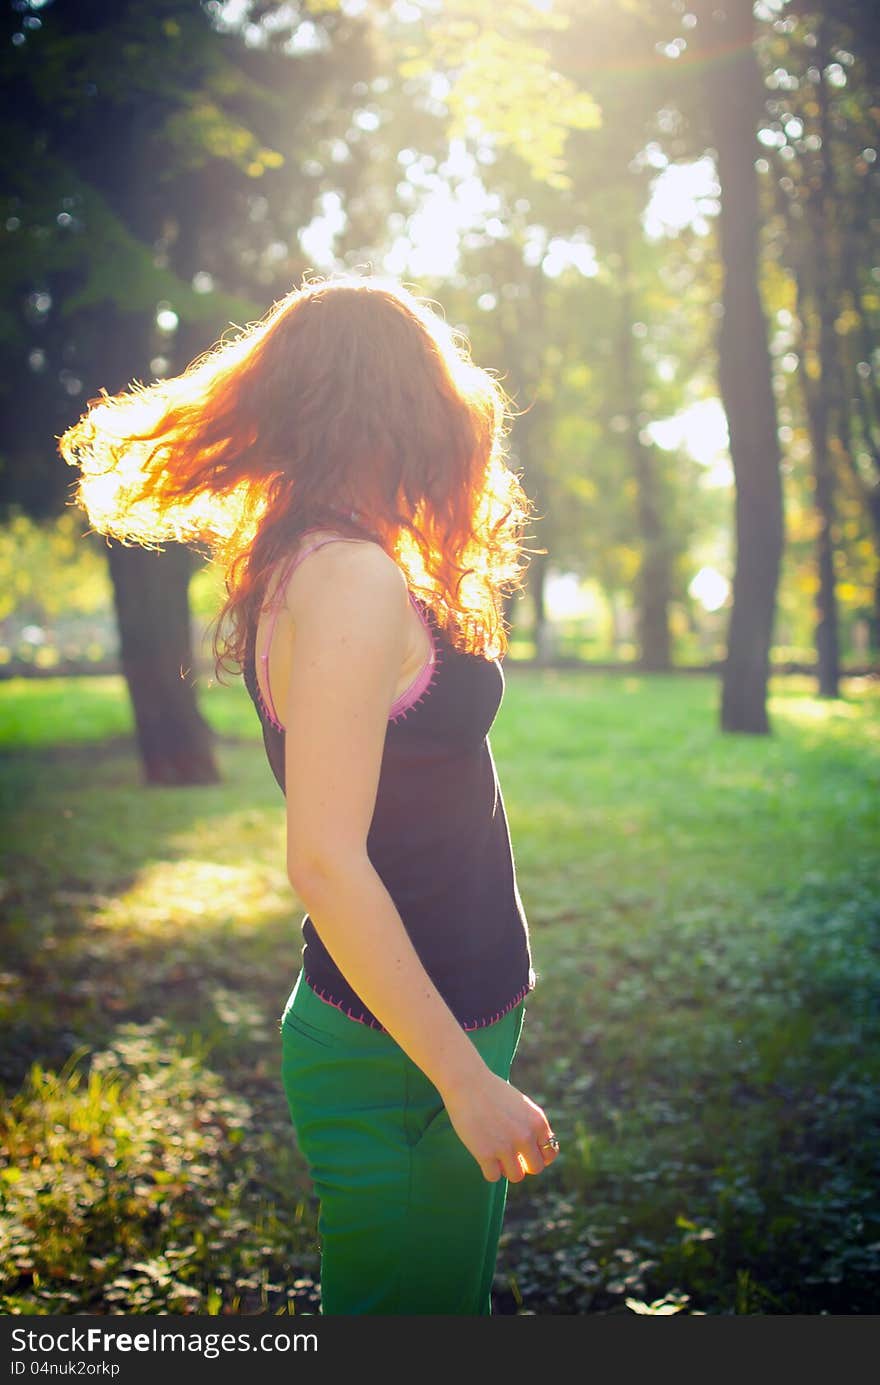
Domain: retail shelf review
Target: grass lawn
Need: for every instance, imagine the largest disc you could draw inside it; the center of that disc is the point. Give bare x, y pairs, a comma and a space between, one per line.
705, 918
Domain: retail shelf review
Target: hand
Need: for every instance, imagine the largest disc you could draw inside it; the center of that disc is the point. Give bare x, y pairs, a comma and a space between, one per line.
503, 1129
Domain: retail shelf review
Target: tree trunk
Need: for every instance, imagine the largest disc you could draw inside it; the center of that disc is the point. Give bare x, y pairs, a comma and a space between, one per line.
821, 205
151, 600
653, 584
818, 406
734, 99
867, 406
545, 641
654, 575
151, 592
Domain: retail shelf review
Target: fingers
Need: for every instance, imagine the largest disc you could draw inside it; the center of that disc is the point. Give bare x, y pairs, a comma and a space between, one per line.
533, 1160
540, 1152
492, 1170
533, 1156
514, 1171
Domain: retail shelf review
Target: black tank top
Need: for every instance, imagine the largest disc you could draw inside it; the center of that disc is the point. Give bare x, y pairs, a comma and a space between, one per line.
438, 839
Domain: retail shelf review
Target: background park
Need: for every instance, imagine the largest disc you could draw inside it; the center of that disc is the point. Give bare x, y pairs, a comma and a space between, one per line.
657, 222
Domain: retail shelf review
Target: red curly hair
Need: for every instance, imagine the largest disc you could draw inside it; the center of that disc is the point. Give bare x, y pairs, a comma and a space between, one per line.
349, 395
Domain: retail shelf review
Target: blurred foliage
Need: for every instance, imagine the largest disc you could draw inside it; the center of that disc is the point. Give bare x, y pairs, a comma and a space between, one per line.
199, 160
56, 600
509, 91
153, 164
51, 567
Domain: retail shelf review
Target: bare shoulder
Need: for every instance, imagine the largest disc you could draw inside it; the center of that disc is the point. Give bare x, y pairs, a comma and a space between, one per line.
353, 577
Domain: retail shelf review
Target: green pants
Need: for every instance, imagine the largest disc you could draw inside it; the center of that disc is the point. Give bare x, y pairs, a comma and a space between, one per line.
407, 1222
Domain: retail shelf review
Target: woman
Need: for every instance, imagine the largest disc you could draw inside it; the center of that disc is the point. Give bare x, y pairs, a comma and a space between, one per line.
344, 458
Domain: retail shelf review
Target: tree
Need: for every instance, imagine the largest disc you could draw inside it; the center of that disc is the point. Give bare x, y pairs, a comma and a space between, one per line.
733, 97
818, 131
154, 161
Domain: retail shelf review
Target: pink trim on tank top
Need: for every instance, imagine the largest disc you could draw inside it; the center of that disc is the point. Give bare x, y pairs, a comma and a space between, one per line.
403, 704
374, 1023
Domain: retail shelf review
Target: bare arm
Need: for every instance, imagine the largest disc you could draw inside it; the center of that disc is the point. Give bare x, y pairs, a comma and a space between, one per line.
350, 615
